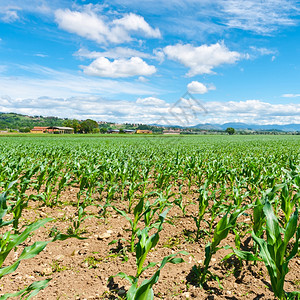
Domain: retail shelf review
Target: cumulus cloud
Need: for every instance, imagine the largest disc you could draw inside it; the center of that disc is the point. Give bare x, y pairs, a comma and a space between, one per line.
119, 68
254, 111
95, 27
133, 22
154, 110
202, 59
142, 79
153, 101
83, 107
196, 87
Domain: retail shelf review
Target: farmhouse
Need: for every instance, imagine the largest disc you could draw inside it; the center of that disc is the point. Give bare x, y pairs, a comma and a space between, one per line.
38, 130
144, 131
52, 129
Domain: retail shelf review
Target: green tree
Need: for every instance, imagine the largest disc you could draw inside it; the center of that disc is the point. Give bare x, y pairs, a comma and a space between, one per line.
25, 129
73, 124
88, 126
103, 130
230, 130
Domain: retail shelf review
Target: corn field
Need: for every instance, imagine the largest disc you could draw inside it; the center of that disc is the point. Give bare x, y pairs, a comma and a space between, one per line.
203, 217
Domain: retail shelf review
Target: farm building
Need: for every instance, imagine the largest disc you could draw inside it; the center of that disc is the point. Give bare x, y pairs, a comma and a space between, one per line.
144, 131
113, 131
171, 131
128, 131
60, 130
39, 129
52, 129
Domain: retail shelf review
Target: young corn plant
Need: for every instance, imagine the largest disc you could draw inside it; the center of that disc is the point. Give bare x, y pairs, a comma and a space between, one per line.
202, 206
141, 210
144, 245
221, 231
274, 250
8, 241
288, 201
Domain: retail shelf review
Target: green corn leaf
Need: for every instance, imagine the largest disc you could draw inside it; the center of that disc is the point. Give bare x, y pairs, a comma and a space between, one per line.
267, 258
245, 255
264, 253
32, 250
150, 265
145, 292
31, 290
138, 208
293, 295
27, 253
273, 231
24, 235
123, 213
123, 276
3, 206
296, 246
9, 269
291, 227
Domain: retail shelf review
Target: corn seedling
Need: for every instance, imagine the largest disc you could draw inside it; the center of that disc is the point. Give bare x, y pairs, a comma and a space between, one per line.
144, 245
221, 231
141, 210
274, 250
8, 241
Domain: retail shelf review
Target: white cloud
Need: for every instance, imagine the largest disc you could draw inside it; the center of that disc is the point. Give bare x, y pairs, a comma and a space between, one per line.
118, 52
290, 95
83, 107
254, 111
152, 101
197, 17
39, 81
263, 50
154, 110
196, 87
121, 68
96, 27
202, 59
10, 14
140, 79
85, 24
133, 22
263, 17
41, 55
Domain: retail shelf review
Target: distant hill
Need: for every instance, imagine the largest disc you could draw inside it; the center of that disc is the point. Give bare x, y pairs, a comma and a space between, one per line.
17, 121
243, 126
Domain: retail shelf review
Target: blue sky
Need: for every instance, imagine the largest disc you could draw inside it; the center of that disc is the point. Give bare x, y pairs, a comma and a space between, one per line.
132, 61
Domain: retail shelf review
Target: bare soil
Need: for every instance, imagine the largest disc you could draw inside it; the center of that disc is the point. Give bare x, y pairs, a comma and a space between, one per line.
80, 268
